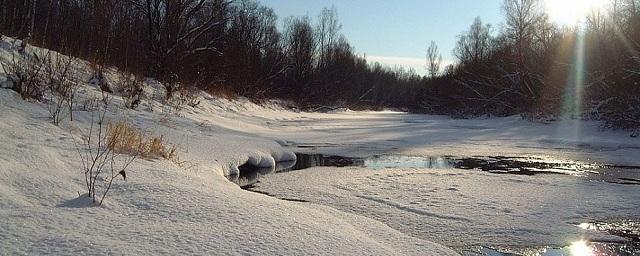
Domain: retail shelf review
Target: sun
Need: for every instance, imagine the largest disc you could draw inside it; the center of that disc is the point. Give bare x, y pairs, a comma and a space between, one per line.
571, 12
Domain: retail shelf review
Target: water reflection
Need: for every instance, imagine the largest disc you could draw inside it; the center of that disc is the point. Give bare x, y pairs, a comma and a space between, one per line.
587, 226
628, 229
628, 244
494, 164
580, 248
383, 162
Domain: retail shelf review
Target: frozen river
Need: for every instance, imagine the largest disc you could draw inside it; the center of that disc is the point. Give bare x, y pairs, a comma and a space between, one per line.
479, 186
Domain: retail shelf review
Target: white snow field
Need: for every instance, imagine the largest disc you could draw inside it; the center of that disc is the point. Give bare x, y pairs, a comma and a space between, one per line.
191, 208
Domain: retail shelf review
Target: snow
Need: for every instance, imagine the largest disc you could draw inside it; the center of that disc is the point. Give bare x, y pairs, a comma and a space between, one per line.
191, 208
460, 208
165, 208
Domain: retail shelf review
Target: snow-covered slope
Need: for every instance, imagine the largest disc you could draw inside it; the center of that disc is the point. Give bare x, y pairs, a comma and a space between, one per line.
164, 208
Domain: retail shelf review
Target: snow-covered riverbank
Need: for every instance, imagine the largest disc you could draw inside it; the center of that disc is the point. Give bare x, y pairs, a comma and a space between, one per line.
165, 208
162, 207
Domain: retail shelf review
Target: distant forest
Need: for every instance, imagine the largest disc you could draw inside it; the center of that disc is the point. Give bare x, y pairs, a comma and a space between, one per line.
527, 65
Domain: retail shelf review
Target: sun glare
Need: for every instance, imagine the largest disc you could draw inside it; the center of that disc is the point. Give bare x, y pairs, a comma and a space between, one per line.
580, 248
571, 12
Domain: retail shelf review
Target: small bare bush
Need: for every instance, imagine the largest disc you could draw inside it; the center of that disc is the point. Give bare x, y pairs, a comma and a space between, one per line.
131, 89
24, 73
188, 95
60, 86
98, 78
101, 164
180, 94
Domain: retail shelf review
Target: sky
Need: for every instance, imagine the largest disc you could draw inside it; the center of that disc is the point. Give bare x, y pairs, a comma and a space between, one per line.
397, 32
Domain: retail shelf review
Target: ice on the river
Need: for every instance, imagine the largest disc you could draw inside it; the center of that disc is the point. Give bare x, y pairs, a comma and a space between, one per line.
463, 208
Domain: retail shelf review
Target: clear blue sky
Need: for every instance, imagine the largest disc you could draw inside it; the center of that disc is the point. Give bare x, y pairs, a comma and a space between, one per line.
398, 31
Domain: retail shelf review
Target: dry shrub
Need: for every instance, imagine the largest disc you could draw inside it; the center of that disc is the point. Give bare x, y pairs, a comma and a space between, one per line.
124, 138
159, 146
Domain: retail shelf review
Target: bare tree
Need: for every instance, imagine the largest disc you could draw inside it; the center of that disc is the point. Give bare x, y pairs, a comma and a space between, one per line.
327, 32
522, 17
475, 44
253, 51
301, 49
179, 29
434, 59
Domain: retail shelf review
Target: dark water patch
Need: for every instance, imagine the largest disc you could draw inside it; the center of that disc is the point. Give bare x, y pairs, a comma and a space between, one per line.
250, 175
524, 166
494, 164
305, 161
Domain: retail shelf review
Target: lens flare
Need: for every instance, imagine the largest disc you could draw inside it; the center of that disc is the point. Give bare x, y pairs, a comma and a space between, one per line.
575, 86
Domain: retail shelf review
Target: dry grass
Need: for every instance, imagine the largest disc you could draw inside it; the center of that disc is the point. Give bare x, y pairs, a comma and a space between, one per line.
158, 146
124, 138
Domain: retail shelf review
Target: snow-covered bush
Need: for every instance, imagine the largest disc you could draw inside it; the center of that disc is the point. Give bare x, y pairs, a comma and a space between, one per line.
615, 98
621, 113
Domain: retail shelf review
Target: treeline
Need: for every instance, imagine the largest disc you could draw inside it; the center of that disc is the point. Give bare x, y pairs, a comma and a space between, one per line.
214, 45
526, 66
531, 66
